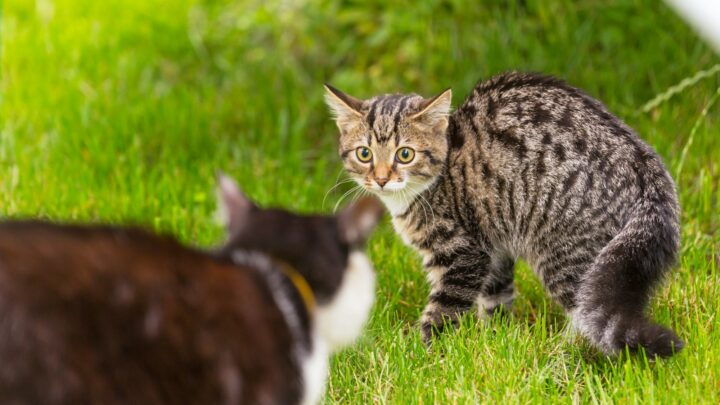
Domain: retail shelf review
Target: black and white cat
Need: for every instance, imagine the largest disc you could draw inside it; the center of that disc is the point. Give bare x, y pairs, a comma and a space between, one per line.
99, 314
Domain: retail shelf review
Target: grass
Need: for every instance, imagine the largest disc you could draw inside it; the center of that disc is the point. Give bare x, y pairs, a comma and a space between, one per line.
122, 111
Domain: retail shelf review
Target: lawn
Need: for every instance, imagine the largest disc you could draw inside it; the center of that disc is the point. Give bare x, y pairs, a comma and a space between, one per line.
122, 111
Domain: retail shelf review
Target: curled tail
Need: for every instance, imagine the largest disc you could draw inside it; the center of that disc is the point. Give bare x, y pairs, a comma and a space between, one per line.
618, 286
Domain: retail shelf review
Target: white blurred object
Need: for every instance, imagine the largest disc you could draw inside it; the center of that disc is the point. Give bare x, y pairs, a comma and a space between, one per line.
704, 15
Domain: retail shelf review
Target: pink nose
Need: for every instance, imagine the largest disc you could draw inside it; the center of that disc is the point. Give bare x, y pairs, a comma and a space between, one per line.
381, 182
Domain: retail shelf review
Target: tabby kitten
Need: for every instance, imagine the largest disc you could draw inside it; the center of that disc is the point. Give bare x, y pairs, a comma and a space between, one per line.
529, 167
109, 315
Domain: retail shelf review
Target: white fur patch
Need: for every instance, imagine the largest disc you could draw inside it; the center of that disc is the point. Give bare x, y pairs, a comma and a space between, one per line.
398, 198
341, 321
338, 323
434, 276
315, 370
395, 202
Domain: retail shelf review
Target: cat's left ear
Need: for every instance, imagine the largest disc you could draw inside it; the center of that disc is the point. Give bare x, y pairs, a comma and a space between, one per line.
435, 111
344, 107
233, 206
358, 220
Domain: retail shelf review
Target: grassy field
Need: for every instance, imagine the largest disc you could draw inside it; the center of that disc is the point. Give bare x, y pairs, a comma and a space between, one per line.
122, 111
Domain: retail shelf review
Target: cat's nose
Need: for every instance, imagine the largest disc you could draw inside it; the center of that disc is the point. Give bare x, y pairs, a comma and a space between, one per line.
381, 181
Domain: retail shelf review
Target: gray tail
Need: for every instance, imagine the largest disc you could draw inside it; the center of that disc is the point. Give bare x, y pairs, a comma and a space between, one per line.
619, 284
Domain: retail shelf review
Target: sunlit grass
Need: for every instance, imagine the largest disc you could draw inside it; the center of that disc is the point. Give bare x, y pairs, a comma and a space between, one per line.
122, 111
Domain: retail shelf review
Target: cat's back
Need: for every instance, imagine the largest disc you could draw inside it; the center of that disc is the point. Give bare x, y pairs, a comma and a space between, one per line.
39, 240
543, 154
55, 259
550, 132
113, 315
528, 112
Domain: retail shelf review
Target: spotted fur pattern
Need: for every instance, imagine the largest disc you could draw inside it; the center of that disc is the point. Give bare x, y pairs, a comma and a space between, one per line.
527, 166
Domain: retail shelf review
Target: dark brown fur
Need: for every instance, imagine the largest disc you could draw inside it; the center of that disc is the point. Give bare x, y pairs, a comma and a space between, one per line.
111, 315
108, 315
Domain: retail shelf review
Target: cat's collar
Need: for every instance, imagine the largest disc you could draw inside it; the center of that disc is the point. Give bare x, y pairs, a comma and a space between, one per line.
265, 263
301, 285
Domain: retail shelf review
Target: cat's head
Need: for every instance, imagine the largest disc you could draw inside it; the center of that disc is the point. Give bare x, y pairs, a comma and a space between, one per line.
328, 251
393, 145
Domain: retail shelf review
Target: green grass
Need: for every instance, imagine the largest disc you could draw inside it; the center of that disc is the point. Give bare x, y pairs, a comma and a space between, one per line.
122, 111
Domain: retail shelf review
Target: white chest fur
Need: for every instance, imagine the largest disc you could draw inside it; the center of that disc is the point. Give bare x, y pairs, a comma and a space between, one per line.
338, 323
341, 321
395, 203
315, 370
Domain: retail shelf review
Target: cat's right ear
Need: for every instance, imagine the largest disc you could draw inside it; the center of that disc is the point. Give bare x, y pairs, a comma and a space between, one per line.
434, 112
233, 206
345, 108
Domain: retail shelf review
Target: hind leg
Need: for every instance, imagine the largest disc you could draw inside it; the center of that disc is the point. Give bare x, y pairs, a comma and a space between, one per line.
611, 312
606, 298
498, 292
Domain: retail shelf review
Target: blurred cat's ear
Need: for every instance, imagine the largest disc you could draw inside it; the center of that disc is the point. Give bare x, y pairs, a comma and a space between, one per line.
233, 206
358, 220
435, 111
344, 107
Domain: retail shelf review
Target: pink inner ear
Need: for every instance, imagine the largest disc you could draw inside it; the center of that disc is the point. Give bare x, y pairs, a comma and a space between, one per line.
234, 205
349, 101
436, 107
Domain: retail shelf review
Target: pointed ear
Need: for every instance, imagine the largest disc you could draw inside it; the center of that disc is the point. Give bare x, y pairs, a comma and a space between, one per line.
358, 220
234, 207
345, 108
435, 111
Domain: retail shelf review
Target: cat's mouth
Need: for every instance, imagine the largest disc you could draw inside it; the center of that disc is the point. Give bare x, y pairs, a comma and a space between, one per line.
405, 188
388, 188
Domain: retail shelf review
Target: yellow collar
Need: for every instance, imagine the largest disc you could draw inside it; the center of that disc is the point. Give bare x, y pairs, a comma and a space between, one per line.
301, 285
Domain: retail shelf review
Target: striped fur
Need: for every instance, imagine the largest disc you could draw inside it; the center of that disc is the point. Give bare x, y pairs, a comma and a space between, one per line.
528, 167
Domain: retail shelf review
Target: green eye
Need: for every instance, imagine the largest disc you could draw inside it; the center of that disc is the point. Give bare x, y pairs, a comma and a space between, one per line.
405, 155
363, 154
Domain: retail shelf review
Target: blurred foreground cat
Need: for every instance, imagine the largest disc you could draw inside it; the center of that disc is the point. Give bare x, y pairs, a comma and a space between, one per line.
527, 167
107, 315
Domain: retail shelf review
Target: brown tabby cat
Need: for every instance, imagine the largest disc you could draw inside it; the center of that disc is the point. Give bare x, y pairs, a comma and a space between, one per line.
526, 167
109, 315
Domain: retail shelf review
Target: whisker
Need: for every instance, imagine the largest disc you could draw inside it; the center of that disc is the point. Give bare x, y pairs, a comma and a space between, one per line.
357, 195
408, 201
340, 173
426, 202
421, 205
423, 201
337, 204
345, 181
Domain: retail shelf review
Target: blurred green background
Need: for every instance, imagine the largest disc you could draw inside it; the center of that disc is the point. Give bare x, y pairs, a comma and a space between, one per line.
122, 111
